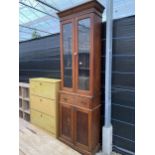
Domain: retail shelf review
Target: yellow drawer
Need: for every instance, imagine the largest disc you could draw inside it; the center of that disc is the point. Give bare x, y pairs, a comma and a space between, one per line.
44, 121
44, 89
44, 105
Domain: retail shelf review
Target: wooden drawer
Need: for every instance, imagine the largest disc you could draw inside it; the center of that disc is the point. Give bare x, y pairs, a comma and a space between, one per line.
44, 89
83, 101
44, 121
44, 105
66, 98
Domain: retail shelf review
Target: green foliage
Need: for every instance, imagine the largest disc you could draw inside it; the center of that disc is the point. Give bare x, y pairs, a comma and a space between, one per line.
35, 35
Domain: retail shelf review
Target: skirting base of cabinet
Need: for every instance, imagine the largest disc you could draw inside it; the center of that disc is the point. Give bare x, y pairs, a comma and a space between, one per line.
80, 150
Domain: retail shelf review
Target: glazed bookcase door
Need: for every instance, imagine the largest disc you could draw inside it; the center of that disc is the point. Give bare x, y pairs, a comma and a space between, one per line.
67, 45
81, 128
84, 54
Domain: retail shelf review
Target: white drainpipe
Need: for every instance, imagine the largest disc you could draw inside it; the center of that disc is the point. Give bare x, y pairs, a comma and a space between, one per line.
107, 128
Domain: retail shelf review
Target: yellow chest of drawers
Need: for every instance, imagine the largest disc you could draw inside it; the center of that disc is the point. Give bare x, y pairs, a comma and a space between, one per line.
44, 103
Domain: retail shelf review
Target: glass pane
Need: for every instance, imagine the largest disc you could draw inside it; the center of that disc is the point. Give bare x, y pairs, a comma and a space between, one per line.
67, 48
83, 53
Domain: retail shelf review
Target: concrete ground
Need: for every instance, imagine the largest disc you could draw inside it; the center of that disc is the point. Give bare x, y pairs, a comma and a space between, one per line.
100, 153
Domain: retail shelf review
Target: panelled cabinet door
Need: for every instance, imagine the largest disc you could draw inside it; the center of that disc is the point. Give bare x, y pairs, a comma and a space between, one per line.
67, 54
83, 62
81, 128
66, 121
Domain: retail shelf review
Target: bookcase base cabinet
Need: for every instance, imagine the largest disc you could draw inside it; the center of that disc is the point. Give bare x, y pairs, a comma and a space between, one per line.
80, 127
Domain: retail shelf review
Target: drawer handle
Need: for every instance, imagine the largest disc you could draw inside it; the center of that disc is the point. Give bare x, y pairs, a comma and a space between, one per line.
40, 84
40, 100
65, 99
83, 102
41, 115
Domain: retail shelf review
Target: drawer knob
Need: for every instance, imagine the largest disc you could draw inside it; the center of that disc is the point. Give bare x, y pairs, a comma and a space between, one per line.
83, 102
40, 100
40, 83
41, 115
65, 99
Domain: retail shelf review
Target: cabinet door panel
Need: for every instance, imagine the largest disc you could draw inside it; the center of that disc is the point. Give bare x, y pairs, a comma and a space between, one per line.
82, 128
84, 54
66, 121
44, 121
67, 54
44, 105
43, 89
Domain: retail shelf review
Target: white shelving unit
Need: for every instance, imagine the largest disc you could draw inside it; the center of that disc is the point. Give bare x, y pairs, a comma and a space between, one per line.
24, 101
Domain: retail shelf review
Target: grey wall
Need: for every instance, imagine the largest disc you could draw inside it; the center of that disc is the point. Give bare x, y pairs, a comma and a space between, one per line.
41, 57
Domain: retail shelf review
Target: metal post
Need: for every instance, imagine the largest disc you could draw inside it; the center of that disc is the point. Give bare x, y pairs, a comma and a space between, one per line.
107, 129
108, 72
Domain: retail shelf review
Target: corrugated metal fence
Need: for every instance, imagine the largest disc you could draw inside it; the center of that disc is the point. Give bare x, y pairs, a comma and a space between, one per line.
41, 58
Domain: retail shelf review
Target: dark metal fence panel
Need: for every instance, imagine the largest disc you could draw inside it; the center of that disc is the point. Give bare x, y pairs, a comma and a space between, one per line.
41, 58
123, 84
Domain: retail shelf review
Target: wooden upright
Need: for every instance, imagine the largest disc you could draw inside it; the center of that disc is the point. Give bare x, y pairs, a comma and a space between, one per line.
80, 43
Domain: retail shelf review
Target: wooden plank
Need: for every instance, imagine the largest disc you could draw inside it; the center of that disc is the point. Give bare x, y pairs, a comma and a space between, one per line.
34, 141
